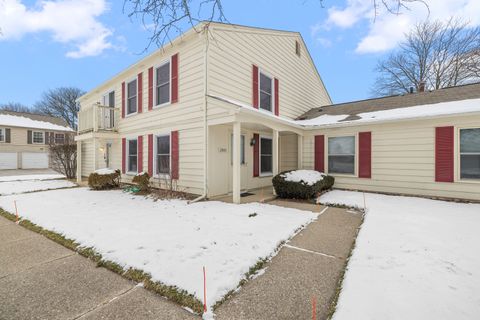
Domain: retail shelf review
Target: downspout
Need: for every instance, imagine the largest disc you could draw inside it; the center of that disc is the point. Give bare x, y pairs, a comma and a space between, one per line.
205, 126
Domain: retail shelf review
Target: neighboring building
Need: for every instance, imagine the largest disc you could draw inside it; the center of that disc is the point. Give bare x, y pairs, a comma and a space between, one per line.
25, 137
224, 111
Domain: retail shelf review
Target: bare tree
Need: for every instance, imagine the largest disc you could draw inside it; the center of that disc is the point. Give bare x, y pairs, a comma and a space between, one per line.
162, 17
61, 103
64, 156
436, 54
15, 106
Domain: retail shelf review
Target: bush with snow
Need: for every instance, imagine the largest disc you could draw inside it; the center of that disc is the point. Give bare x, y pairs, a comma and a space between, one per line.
104, 179
142, 180
301, 184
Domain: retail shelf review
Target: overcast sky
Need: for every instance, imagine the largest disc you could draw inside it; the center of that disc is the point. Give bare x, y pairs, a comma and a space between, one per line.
47, 44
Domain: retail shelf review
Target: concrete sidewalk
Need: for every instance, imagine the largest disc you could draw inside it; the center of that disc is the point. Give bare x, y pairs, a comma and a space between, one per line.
40, 279
311, 264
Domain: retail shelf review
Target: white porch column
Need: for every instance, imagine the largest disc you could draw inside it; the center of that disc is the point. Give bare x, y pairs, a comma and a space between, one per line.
236, 162
275, 155
79, 161
94, 144
299, 152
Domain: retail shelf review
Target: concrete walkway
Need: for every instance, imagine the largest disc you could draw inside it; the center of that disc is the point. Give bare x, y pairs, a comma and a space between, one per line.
40, 279
310, 265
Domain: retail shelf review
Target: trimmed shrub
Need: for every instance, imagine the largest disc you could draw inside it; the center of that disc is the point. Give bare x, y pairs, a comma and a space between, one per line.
104, 180
142, 180
301, 189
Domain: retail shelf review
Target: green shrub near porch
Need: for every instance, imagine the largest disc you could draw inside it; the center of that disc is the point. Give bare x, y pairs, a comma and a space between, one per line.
300, 189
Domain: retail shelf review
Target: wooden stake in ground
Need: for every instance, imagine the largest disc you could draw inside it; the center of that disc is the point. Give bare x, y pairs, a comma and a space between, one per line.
364, 203
314, 308
16, 211
204, 290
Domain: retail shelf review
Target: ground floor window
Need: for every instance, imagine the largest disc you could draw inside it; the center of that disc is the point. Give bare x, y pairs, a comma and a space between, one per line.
163, 155
266, 156
470, 153
341, 155
38, 137
59, 138
2, 135
242, 149
132, 155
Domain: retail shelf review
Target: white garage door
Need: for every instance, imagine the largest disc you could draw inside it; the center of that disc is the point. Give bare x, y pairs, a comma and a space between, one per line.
8, 160
34, 160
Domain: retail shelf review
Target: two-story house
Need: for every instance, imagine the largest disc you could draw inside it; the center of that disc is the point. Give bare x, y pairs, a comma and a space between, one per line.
25, 139
225, 109
179, 111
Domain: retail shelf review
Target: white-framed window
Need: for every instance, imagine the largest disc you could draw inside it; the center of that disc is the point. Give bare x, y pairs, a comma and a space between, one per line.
470, 153
265, 92
162, 154
132, 155
59, 138
242, 149
162, 84
2, 135
108, 99
266, 156
341, 155
132, 97
38, 137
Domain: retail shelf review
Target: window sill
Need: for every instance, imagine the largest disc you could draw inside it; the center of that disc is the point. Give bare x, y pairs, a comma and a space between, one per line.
127, 115
265, 175
343, 175
159, 106
467, 181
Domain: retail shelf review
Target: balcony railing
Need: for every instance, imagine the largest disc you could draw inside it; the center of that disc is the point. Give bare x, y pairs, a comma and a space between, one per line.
98, 118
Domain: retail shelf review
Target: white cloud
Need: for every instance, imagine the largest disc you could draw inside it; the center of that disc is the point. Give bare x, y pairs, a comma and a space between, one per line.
387, 30
72, 22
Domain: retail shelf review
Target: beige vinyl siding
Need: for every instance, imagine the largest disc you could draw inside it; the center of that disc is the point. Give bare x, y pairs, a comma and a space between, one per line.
87, 158
288, 152
403, 158
233, 51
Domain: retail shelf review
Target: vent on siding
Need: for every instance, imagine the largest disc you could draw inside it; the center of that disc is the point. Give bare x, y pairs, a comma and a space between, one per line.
297, 48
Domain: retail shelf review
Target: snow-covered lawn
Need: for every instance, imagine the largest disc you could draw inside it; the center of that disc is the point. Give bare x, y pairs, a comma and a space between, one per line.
15, 187
169, 239
414, 259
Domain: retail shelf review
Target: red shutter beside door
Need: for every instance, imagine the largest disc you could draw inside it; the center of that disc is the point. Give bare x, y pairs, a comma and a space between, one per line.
365, 154
175, 78
320, 153
124, 150
277, 101
123, 99
150, 155
140, 92
150, 88
140, 154
444, 154
256, 155
175, 155
255, 87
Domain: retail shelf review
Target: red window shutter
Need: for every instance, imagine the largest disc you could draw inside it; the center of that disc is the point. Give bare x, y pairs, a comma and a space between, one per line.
320, 153
123, 99
256, 155
150, 155
150, 88
175, 155
175, 78
444, 154
140, 92
365, 154
140, 154
255, 87
277, 101
124, 150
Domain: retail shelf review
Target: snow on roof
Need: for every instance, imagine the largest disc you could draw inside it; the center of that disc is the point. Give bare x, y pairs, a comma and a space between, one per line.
422, 111
19, 121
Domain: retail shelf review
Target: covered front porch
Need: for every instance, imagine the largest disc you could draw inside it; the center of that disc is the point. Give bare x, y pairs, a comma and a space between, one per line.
245, 153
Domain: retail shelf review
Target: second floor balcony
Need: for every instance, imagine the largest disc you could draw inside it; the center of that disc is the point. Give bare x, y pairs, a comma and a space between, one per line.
98, 118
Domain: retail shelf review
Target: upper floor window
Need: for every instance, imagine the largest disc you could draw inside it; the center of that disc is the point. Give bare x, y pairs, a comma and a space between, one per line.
341, 155
38, 137
132, 155
132, 97
266, 89
470, 153
108, 99
2, 135
162, 86
59, 138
